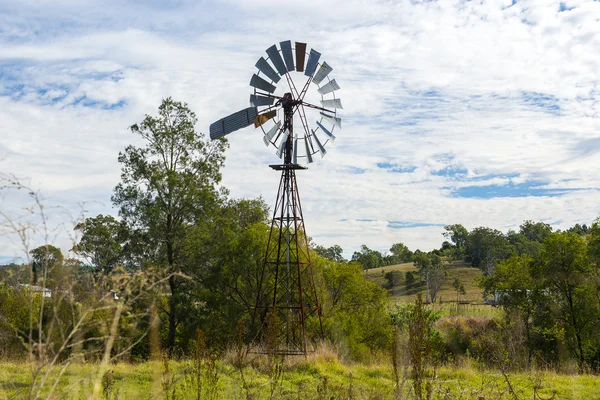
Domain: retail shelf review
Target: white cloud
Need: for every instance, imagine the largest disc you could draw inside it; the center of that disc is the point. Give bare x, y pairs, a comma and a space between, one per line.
504, 93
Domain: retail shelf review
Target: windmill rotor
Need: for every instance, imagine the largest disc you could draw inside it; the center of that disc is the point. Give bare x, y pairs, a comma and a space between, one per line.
278, 73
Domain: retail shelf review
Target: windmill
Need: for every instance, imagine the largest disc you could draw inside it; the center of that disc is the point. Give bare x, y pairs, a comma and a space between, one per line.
286, 295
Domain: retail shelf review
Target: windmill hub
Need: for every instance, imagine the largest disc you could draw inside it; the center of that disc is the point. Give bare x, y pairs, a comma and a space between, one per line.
286, 297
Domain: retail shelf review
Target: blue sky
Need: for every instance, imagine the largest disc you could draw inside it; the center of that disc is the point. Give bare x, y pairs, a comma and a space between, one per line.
454, 112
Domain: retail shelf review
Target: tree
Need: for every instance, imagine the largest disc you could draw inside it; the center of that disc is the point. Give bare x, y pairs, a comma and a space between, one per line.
535, 231
581, 230
522, 245
459, 288
486, 247
518, 292
431, 269
368, 258
400, 253
565, 271
594, 242
44, 259
168, 186
102, 242
410, 279
223, 257
458, 235
355, 314
393, 277
334, 252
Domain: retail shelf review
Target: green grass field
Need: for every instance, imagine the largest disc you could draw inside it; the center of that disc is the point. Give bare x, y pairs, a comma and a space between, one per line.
319, 377
399, 293
469, 304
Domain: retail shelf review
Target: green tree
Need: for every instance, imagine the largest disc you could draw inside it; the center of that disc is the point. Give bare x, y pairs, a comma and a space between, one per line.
594, 242
43, 260
102, 243
486, 247
334, 252
565, 270
431, 269
581, 230
368, 258
518, 292
410, 279
400, 253
522, 245
535, 231
355, 314
224, 257
393, 277
166, 187
459, 288
459, 236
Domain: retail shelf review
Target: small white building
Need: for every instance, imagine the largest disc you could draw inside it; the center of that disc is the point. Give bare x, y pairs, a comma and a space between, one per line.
38, 289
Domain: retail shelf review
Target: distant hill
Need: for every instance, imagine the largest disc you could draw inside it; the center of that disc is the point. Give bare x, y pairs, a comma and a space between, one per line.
458, 269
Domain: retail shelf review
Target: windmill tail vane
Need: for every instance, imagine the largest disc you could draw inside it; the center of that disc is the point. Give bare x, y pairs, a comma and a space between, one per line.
286, 298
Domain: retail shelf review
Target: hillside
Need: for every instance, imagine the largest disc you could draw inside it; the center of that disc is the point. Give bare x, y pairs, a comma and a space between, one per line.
400, 293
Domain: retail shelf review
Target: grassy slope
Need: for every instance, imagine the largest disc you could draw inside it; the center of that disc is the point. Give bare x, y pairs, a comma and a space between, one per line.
318, 377
467, 275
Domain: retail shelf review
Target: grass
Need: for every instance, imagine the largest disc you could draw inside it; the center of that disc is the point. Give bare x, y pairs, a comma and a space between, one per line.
400, 293
469, 304
315, 378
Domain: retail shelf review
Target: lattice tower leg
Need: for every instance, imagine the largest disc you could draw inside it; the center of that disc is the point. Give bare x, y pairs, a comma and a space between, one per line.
287, 295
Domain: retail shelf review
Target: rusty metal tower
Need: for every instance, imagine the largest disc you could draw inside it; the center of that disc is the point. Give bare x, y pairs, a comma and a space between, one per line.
287, 298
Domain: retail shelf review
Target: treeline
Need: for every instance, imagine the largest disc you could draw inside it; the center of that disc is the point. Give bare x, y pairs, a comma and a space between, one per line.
548, 283
480, 247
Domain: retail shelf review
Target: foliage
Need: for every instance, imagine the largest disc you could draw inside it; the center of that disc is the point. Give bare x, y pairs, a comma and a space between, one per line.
166, 187
393, 277
458, 235
355, 315
459, 287
486, 247
332, 253
103, 242
410, 279
564, 271
430, 267
535, 231
399, 253
44, 259
368, 258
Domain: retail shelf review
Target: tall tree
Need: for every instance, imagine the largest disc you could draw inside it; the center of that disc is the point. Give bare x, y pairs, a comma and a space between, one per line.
594, 242
166, 187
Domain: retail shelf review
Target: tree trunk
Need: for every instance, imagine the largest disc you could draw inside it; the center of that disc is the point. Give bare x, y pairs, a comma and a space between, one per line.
173, 299
172, 316
581, 356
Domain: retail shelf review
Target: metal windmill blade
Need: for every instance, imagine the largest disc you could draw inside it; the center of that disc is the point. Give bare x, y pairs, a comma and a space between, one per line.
233, 122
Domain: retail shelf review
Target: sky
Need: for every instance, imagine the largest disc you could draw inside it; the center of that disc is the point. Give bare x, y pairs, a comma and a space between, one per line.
478, 113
